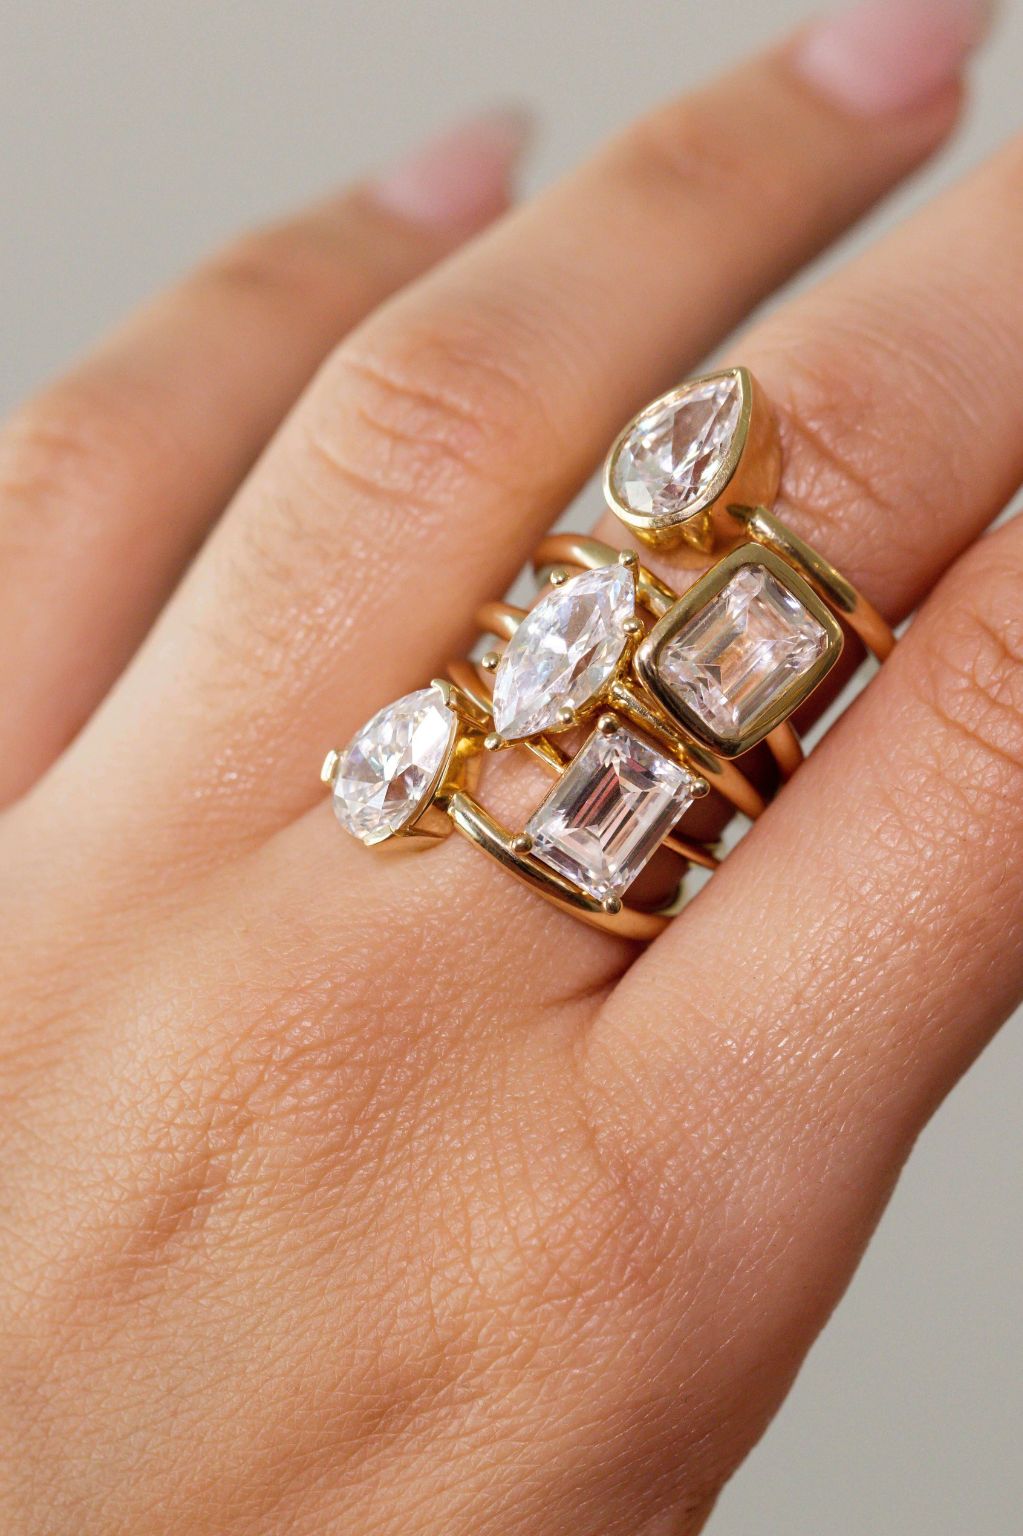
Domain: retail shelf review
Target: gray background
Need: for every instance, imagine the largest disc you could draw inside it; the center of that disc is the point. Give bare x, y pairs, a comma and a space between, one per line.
133, 135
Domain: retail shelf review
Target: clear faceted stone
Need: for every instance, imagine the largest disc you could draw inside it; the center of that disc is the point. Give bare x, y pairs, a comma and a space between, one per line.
388, 769
733, 659
564, 651
674, 451
609, 811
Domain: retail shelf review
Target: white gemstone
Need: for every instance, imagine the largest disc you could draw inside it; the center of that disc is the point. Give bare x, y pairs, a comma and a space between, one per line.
674, 451
609, 812
739, 653
564, 651
388, 770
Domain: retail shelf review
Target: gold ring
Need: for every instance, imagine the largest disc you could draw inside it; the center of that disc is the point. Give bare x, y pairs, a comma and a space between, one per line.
677, 468
731, 659
635, 697
406, 778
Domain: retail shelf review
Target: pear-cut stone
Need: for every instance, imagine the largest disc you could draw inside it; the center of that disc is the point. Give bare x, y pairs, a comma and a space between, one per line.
564, 651
676, 448
389, 768
609, 812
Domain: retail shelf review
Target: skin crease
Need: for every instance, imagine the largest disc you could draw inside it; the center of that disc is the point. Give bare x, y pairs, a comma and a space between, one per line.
345, 1192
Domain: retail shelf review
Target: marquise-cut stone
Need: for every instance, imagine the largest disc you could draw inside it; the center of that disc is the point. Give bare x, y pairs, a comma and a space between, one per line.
739, 653
609, 812
564, 651
675, 450
389, 768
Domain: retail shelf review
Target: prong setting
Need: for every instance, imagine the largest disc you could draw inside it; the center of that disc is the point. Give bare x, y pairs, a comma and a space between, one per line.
605, 654
609, 812
564, 653
384, 782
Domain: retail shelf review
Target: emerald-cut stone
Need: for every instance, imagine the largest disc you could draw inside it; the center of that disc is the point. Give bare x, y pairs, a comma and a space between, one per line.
738, 654
609, 812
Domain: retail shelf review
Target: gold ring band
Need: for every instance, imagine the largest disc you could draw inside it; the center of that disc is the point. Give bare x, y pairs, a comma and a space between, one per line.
635, 697
503, 620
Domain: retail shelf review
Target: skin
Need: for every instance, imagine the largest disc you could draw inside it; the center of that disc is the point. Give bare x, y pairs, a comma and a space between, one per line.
344, 1192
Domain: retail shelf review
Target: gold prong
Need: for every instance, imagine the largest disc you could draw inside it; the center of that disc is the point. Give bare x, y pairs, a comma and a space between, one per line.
558, 578
612, 906
566, 715
328, 772
607, 725
493, 741
628, 558
491, 661
633, 626
698, 788
523, 843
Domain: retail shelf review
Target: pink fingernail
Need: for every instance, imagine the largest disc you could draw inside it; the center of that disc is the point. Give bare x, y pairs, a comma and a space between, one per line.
461, 179
891, 55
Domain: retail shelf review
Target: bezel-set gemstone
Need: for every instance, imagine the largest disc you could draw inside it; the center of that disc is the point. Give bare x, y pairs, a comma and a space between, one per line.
609, 812
678, 454
564, 652
386, 775
740, 650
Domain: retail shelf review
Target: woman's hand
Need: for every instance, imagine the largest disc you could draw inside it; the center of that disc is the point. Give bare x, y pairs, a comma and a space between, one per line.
364, 1194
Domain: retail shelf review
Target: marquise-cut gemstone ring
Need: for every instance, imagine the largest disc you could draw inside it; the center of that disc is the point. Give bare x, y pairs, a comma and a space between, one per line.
637, 699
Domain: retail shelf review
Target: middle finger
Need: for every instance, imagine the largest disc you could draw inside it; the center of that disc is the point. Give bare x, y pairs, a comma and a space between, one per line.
354, 558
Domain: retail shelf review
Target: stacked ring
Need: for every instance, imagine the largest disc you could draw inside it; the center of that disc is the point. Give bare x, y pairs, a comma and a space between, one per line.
670, 688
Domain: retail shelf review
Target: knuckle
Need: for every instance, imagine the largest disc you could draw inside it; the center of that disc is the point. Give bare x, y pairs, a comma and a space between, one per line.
285, 263
971, 674
417, 421
844, 395
78, 445
694, 146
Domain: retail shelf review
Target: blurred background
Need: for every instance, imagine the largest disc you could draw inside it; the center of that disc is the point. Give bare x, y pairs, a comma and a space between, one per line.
134, 135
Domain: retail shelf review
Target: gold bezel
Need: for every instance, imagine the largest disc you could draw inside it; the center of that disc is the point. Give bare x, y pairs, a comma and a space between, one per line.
693, 602
749, 473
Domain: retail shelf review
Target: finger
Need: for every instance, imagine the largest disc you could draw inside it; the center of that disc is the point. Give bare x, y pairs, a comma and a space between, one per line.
350, 564
896, 385
874, 932
110, 479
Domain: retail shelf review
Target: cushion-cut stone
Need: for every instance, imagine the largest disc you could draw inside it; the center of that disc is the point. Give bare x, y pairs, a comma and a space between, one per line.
674, 451
390, 767
736, 656
609, 811
564, 651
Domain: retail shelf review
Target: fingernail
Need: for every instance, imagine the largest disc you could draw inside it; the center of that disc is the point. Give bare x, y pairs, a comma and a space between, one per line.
462, 178
891, 55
